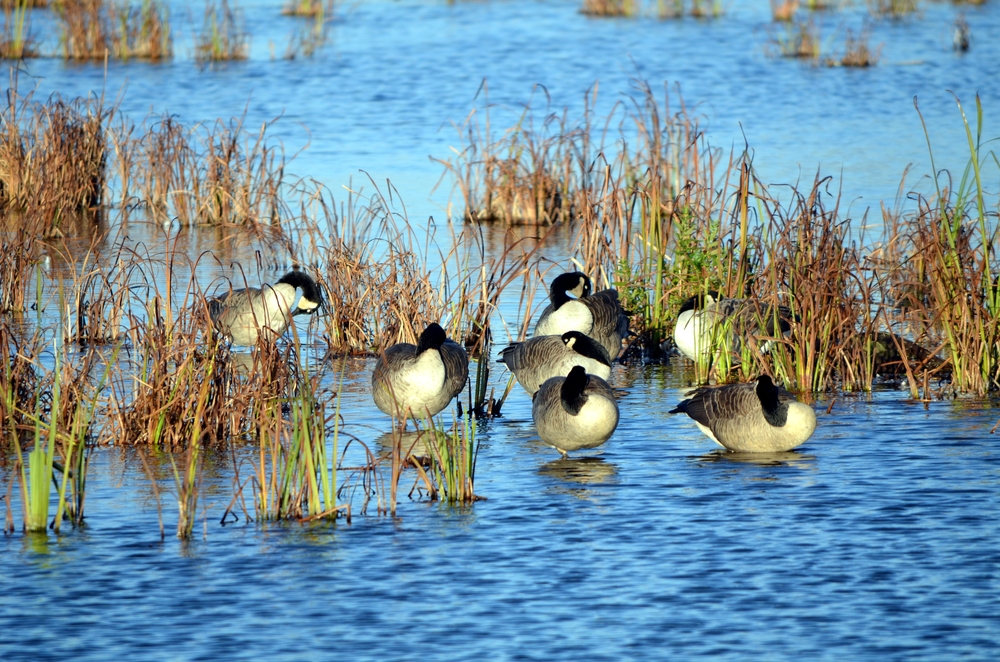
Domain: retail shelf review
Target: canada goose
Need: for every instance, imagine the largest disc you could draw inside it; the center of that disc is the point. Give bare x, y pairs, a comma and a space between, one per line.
708, 321
598, 315
574, 412
539, 358
244, 315
756, 416
418, 381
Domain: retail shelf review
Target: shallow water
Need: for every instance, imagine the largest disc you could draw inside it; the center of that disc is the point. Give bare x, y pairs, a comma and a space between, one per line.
877, 539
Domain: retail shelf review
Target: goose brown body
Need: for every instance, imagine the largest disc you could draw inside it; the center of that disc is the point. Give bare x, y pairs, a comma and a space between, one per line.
574, 412
756, 417
543, 357
597, 315
247, 314
420, 380
709, 321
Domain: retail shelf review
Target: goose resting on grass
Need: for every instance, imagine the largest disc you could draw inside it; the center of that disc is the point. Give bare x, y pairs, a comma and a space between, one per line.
708, 321
537, 359
599, 315
574, 412
755, 417
244, 315
419, 381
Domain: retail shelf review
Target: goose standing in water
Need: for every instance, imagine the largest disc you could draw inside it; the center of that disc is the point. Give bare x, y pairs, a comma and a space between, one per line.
244, 315
419, 381
709, 321
574, 412
537, 359
598, 315
756, 416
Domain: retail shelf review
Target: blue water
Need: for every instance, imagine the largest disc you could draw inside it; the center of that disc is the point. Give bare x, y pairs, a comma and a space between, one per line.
877, 539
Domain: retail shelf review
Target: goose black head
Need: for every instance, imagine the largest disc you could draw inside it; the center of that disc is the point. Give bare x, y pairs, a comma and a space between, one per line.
584, 345
571, 392
775, 413
576, 283
312, 296
432, 338
699, 301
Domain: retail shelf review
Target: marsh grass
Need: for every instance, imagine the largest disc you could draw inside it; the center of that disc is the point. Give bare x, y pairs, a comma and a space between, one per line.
95, 29
223, 36
666, 217
528, 175
309, 8
857, 52
452, 472
783, 10
894, 9
54, 157
611, 8
798, 39
16, 40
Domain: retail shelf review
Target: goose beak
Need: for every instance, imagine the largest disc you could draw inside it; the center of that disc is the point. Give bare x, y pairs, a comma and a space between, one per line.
307, 307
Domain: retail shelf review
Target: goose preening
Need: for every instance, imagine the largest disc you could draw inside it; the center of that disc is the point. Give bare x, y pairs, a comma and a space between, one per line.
418, 381
574, 412
756, 416
709, 321
597, 315
244, 315
542, 357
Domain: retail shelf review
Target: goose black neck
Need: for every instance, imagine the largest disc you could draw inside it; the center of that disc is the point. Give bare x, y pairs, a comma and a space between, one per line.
301, 281
697, 302
586, 346
775, 413
432, 338
565, 283
571, 392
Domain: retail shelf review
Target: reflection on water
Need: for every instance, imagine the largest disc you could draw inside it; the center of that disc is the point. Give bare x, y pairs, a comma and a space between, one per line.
412, 443
583, 470
784, 458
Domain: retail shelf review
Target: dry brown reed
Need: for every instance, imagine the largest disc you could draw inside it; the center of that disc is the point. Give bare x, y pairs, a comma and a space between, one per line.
210, 174
528, 175
895, 9
95, 29
16, 39
308, 8
388, 279
53, 159
857, 52
665, 217
783, 10
610, 8
223, 36
799, 39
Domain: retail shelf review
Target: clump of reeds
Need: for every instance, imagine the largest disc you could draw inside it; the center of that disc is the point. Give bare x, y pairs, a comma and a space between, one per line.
800, 39
529, 175
16, 40
308, 8
453, 454
857, 52
892, 8
610, 8
784, 10
95, 29
55, 157
210, 175
223, 36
